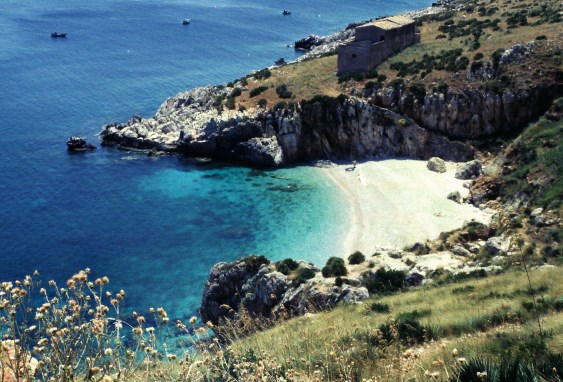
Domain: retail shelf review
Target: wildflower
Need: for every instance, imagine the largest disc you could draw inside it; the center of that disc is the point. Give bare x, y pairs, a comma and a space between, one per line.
171, 357
461, 360
94, 370
150, 330
108, 352
454, 352
209, 324
193, 320
481, 374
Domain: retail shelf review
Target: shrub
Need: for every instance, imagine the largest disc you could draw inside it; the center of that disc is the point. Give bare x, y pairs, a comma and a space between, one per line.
262, 74
407, 331
280, 106
335, 266
338, 281
230, 103
236, 92
418, 90
304, 274
256, 91
262, 102
379, 307
286, 266
244, 81
370, 85
413, 315
442, 87
356, 258
397, 83
478, 56
541, 37
242, 108
283, 92
254, 262
384, 281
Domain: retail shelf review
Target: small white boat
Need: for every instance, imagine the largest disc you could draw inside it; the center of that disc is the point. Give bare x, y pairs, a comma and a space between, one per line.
186, 21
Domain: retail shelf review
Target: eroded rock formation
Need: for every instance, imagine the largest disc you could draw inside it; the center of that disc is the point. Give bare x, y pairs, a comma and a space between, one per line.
322, 128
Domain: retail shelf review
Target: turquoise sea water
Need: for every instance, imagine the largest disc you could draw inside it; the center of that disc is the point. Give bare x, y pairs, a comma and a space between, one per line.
154, 226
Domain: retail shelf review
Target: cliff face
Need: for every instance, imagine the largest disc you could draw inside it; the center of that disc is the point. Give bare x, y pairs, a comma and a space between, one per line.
470, 113
322, 128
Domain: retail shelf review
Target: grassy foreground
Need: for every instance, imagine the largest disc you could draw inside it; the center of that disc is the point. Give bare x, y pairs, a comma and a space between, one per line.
425, 333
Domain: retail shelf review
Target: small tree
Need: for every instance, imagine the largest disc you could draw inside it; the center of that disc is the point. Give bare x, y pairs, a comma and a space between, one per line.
356, 258
335, 266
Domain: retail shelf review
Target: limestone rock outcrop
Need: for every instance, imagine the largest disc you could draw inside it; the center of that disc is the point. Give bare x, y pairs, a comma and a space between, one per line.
193, 124
470, 112
258, 288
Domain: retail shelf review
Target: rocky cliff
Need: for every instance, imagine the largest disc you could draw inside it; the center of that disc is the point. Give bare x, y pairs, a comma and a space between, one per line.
254, 284
321, 128
469, 113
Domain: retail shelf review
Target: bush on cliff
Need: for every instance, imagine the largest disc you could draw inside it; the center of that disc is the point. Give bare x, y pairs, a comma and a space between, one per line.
303, 274
256, 91
335, 266
254, 262
283, 92
383, 281
262, 74
286, 266
356, 258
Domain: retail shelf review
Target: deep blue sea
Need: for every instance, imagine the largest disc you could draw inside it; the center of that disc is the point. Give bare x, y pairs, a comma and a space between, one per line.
154, 226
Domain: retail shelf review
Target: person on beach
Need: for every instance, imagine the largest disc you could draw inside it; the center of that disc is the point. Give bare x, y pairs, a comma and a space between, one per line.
354, 164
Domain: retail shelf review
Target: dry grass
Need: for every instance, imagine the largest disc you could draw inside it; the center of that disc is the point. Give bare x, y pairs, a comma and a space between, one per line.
304, 80
309, 340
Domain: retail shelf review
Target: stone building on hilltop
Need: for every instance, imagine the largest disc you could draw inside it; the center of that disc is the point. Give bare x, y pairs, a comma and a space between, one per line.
374, 42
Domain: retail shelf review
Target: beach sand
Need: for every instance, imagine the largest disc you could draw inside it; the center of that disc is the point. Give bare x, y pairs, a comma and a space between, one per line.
394, 203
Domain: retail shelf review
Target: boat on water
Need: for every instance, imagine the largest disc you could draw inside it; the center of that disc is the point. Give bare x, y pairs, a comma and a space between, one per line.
286, 12
58, 35
186, 21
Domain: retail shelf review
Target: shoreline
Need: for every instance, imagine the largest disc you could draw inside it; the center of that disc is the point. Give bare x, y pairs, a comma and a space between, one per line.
394, 203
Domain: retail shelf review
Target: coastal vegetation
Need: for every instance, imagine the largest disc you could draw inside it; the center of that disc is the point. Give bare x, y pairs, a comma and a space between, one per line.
450, 332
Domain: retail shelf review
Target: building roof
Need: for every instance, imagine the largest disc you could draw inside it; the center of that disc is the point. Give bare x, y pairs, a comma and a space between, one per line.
391, 22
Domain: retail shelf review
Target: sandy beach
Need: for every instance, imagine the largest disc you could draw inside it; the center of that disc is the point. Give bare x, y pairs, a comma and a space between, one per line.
394, 203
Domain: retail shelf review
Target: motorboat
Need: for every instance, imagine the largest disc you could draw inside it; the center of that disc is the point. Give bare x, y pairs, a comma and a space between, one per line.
58, 35
186, 21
